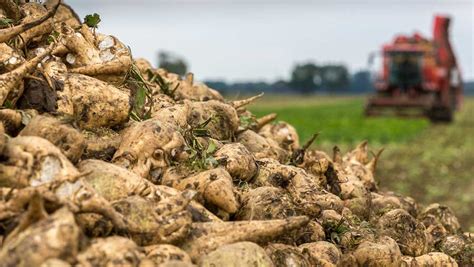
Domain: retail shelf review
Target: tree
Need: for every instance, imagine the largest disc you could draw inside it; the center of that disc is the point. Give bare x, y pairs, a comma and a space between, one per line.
172, 63
305, 78
335, 77
361, 82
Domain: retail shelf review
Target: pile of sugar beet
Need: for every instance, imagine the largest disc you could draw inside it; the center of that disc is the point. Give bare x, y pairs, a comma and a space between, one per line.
107, 161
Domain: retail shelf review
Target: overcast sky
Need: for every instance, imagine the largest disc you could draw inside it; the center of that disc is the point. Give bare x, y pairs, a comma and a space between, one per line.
262, 40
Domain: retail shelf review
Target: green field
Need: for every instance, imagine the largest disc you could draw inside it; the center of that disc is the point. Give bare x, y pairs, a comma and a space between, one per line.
339, 120
432, 163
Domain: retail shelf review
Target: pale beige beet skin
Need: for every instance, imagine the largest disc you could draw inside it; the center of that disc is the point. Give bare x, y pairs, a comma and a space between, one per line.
10, 58
430, 259
69, 140
101, 144
317, 163
32, 161
11, 83
272, 173
111, 251
161, 101
304, 189
365, 173
148, 148
3, 138
312, 232
98, 55
321, 253
155, 222
77, 196
14, 120
163, 253
30, 21
63, 14
184, 89
443, 215
10, 9
113, 182
223, 120
435, 231
407, 231
91, 102
206, 237
154, 213
283, 255
116, 183
354, 164
266, 202
460, 247
189, 89
307, 193
55, 263
383, 202
215, 187
237, 160
35, 12
346, 229
356, 197
142, 64
359, 154
240, 254
378, 253
357, 163
30, 249
262, 147
80, 45
283, 133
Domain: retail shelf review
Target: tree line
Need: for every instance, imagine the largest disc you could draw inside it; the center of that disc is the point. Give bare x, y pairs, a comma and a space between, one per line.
305, 78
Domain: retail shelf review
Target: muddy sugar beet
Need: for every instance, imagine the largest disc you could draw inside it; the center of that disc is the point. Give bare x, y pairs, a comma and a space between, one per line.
108, 161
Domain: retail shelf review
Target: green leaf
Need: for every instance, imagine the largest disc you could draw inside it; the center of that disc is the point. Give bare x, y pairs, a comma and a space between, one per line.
6, 22
140, 98
205, 123
92, 20
201, 133
8, 104
52, 37
164, 86
247, 121
212, 162
211, 148
192, 154
143, 103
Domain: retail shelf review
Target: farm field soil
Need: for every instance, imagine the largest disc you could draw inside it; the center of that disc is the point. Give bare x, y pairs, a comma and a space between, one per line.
432, 163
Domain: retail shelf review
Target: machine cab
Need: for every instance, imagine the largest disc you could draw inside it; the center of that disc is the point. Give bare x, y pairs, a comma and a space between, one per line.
405, 69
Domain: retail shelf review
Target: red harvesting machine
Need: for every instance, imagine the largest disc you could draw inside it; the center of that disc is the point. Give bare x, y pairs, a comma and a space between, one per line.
419, 77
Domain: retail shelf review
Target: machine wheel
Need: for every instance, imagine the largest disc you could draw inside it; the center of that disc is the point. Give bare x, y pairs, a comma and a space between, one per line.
455, 98
369, 110
440, 115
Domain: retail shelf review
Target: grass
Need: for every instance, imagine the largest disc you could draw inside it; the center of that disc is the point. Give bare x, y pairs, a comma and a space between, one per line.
432, 163
339, 120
